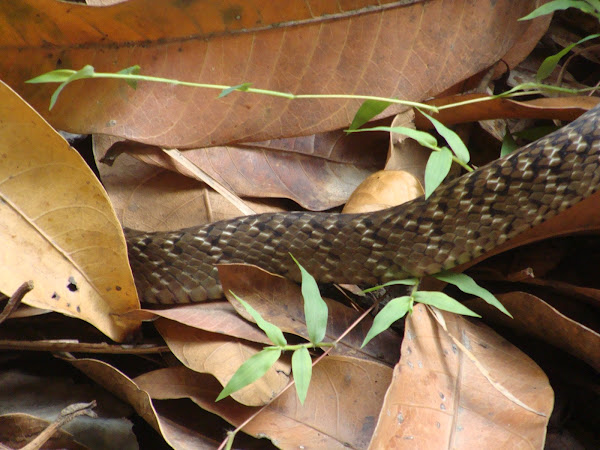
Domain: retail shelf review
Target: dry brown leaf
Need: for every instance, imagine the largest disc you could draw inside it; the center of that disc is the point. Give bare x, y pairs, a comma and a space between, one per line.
150, 198
58, 227
439, 399
366, 150
16, 430
384, 189
405, 153
344, 397
216, 317
280, 302
561, 108
387, 48
250, 171
221, 356
535, 317
126, 389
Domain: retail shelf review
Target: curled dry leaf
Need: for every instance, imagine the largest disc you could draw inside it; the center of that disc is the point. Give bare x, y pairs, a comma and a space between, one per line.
378, 47
216, 317
439, 399
561, 108
221, 356
384, 189
58, 228
127, 390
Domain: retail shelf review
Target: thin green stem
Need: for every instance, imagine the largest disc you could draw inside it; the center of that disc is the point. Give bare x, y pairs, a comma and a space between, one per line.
288, 95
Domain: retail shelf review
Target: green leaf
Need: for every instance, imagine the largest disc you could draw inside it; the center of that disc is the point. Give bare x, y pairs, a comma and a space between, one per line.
315, 309
302, 370
133, 70
468, 285
443, 301
396, 309
83, 73
54, 76
272, 331
437, 169
254, 368
240, 87
551, 62
368, 110
509, 144
405, 282
557, 5
454, 141
423, 138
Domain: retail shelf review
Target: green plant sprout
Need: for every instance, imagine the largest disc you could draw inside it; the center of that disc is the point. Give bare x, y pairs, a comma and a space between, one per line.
316, 314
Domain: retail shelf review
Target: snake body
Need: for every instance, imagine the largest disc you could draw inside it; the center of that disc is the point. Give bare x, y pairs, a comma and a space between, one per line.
461, 220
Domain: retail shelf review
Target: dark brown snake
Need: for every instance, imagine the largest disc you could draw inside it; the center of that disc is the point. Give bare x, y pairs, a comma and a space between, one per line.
461, 220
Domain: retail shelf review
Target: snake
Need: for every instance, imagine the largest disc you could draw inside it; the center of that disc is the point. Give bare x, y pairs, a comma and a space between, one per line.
458, 222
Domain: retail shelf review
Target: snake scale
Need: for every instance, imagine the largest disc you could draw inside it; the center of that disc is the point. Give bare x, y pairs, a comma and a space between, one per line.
461, 220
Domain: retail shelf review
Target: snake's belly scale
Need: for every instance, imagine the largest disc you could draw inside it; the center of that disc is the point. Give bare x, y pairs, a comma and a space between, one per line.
460, 221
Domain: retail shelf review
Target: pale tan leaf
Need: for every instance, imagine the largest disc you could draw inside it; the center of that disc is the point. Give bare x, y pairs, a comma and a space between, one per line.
384, 189
221, 356
58, 228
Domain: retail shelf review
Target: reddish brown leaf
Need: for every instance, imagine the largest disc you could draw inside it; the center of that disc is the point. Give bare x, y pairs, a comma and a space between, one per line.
439, 399
386, 48
534, 317
562, 108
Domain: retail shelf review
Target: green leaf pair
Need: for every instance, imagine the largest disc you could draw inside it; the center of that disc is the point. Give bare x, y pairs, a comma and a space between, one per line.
399, 307
440, 161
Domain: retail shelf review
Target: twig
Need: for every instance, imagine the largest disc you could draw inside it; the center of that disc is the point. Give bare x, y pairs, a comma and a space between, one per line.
66, 415
15, 300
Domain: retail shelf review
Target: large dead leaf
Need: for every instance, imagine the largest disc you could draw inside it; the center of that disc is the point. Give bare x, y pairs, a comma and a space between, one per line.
385, 48
151, 198
58, 227
439, 398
